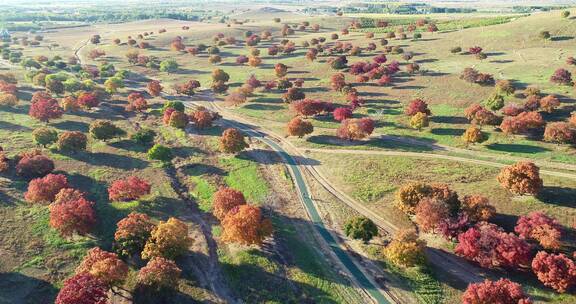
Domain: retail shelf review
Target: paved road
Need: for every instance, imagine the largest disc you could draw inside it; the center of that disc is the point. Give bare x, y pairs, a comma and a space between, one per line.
454, 265
379, 295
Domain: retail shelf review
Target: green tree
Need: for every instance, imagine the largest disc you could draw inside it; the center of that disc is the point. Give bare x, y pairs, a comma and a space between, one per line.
361, 228
168, 66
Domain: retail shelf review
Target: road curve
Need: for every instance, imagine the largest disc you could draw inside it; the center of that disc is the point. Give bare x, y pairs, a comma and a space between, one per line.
361, 279
456, 266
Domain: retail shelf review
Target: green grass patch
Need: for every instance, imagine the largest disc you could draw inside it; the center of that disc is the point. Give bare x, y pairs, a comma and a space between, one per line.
243, 176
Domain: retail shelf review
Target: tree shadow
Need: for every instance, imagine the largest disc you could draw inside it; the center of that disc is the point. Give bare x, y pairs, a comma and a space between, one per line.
263, 107
198, 169
561, 38
561, 196
19, 288
110, 160
447, 131
516, 148
409, 87
272, 157
449, 120
128, 145
13, 127
70, 125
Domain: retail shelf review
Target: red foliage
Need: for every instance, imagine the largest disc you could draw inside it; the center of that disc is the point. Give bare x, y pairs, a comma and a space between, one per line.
353, 129
549, 103
556, 271
159, 273
521, 178
104, 265
308, 107
540, 227
502, 291
430, 213
72, 213
128, 189
417, 106
226, 199
338, 81
561, 76
154, 88
342, 113
88, 100
246, 225
83, 288
138, 105
490, 246
34, 166
559, 132
512, 110
44, 189
299, 127
475, 50
45, 109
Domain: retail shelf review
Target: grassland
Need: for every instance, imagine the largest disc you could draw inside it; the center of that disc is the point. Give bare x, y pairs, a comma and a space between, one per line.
514, 52
291, 269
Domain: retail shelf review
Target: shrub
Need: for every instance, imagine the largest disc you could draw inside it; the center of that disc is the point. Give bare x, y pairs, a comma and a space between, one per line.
43, 190
154, 88
131, 234
226, 199
144, 136
473, 135
562, 77
455, 50
131, 188
342, 113
293, 94
477, 208
521, 178
45, 109
419, 120
501, 291
176, 105
339, 62
72, 141
168, 239
104, 265
406, 249
245, 225
355, 128
504, 87
72, 213
160, 152
361, 228
232, 141
555, 270
159, 274
44, 136
417, 106
104, 130
8, 100
299, 127
505, 249
34, 166
559, 132
83, 288
540, 227
495, 102
544, 35
549, 103
87, 100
